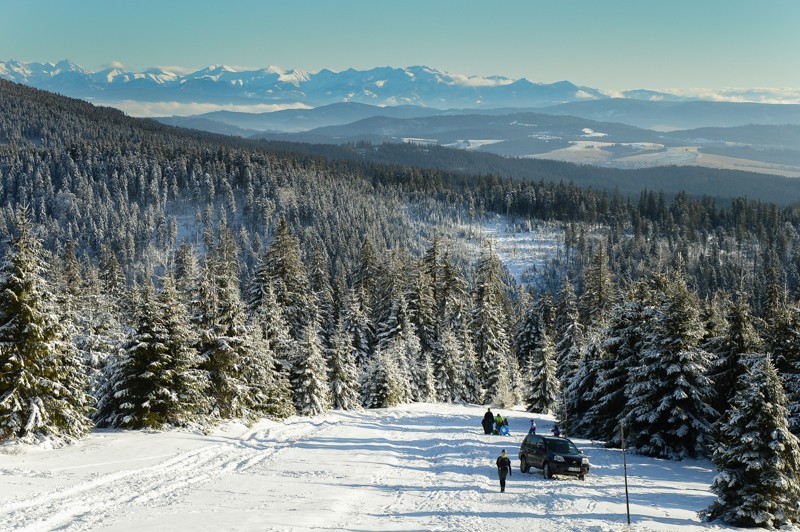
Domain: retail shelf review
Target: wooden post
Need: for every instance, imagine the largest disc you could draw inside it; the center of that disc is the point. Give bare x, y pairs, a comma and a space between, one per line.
625, 470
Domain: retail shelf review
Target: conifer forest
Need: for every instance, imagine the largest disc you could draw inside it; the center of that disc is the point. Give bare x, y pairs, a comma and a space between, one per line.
157, 277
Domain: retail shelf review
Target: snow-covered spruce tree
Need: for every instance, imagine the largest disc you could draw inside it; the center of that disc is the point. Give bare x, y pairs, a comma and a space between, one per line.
739, 339
111, 274
359, 327
789, 356
67, 280
490, 333
448, 366
259, 377
224, 334
392, 311
594, 308
343, 371
97, 331
758, 458
309, 375
281, 266
270, 329
414, 363
622, 347
598, 291
157, 381
396, 329
428, 391
43, 388
431, 265
365, 278
452, 297
189, 383
422, 308
782, 340
667, 412
577, 396
320, 282
712, 315
381, 385
472, 389
570, 334
528, 337
545, 308
187, 276
543, 387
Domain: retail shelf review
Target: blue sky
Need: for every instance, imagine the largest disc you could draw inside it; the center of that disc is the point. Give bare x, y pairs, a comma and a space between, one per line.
615, 44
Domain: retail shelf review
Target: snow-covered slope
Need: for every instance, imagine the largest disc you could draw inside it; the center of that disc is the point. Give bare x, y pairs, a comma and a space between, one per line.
415, 467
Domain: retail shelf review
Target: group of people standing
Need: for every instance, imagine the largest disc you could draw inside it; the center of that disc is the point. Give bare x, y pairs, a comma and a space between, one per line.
494, 424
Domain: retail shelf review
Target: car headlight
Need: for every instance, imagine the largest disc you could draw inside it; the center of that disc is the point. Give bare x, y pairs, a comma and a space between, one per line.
558, 458
585, 461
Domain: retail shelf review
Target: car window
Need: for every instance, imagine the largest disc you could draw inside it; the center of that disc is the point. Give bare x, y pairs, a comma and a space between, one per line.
562, 446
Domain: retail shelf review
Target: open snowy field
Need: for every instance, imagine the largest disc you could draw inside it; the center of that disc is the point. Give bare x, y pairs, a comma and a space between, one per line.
523, 248
414, 467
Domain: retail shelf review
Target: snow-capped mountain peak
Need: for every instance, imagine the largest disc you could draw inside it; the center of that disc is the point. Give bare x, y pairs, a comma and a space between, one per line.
273, 85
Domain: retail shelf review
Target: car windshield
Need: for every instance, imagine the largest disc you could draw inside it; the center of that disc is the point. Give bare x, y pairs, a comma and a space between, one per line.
562, 446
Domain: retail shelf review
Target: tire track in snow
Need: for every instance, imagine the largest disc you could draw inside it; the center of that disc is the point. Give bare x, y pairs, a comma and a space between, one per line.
92, 502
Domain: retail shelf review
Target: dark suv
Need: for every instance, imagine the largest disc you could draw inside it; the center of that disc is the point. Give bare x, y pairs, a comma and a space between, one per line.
554, 456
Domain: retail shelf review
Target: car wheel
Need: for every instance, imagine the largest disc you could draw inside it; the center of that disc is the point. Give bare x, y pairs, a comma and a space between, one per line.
546, 471
523, 465
581, 477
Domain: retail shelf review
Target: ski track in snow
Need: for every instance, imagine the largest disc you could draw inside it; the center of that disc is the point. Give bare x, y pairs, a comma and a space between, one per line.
88, 504
415, 467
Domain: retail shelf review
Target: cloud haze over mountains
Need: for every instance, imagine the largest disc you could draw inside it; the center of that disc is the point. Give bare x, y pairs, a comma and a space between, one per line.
175, 91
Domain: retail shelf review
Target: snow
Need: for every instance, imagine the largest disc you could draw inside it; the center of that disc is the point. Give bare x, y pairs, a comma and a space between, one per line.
413, 467
472, 144
590, 133
414, 140
521, 247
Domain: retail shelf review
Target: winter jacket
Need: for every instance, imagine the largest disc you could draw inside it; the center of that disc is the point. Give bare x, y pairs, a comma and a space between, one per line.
504, 464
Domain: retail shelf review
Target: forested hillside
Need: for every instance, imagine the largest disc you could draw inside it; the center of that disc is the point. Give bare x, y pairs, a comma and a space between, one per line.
172, 278
724, 185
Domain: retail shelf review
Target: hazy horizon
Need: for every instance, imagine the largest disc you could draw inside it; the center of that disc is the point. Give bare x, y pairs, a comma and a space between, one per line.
715, 44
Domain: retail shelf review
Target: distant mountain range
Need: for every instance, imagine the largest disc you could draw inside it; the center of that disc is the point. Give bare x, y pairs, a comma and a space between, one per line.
417, 85
661, 116
385, 86
274, 88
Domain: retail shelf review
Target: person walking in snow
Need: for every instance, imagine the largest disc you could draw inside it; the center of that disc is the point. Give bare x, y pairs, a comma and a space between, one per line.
488, 421
503, 469
532, 430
